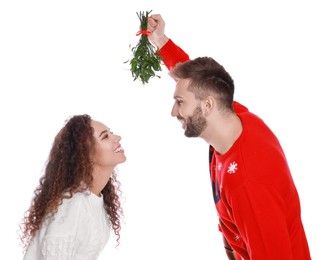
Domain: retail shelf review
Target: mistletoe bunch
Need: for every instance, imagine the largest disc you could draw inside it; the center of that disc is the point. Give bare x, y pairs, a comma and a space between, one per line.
145, 61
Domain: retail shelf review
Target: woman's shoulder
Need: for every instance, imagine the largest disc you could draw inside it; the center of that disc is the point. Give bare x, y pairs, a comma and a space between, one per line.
70, 212
78, 197
74, 203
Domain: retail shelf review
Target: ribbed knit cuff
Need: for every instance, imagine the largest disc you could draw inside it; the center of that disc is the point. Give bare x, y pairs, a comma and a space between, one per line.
172, 54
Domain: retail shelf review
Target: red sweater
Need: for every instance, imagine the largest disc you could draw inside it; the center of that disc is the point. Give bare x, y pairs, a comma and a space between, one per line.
255, 196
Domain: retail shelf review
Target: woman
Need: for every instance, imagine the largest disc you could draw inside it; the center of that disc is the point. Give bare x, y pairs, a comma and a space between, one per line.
77, 200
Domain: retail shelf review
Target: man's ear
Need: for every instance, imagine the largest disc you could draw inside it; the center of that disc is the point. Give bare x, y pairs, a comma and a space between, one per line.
209, 103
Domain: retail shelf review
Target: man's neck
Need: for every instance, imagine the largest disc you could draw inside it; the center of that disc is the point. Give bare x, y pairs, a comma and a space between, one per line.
222, 134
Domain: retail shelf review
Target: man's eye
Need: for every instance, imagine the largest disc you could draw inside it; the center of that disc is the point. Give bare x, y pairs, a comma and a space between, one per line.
105, 136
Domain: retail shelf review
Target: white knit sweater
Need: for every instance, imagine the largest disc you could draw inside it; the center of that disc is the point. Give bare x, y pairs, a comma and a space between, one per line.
78, 231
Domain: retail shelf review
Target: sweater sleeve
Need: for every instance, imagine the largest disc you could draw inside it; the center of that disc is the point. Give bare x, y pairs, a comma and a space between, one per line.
172, 54
65, 232
59, 247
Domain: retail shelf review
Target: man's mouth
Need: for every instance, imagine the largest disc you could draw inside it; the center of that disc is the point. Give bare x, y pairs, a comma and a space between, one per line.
183, 122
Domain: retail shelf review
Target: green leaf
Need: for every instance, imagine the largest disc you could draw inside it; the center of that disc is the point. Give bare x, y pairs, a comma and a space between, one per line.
145, 59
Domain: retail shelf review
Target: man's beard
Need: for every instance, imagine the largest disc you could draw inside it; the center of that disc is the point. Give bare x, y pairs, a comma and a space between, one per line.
195, 124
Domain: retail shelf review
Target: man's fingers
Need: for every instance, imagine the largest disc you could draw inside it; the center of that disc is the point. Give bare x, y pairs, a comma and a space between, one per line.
156, 17
152, 22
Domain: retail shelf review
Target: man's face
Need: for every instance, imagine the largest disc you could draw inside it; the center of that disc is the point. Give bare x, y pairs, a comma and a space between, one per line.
188, 110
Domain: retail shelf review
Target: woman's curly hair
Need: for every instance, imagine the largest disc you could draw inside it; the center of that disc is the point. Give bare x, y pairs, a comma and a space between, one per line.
68, 170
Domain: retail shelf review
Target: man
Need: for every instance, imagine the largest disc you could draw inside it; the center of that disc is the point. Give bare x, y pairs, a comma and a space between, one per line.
255, 196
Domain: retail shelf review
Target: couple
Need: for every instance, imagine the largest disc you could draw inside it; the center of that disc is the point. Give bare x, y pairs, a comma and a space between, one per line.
257, 202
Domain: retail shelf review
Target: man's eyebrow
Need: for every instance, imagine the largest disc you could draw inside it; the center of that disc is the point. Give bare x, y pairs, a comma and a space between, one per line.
177, 97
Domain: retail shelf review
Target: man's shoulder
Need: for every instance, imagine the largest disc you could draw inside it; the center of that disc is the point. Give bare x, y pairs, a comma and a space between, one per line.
239, 108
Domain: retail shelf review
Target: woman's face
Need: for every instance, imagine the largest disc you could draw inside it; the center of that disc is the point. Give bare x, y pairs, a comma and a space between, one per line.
108, 151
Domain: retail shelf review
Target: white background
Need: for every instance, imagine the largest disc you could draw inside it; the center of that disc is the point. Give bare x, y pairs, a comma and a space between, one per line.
59, 58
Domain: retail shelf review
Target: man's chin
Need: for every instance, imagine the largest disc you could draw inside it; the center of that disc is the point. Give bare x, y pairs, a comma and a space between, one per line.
190, 135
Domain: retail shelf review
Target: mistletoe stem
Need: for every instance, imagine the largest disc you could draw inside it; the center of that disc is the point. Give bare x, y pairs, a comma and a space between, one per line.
145, 60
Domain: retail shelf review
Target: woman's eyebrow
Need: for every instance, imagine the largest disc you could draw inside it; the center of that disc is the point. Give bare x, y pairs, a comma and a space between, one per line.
105, 131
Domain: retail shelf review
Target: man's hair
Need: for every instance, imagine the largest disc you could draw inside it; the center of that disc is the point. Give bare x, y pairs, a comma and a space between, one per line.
207, 77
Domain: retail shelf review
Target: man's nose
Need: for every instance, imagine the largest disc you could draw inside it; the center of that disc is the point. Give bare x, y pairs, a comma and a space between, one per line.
174, 111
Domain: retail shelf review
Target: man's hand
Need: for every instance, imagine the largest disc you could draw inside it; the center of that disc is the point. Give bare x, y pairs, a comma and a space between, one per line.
156, 26
229, 251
